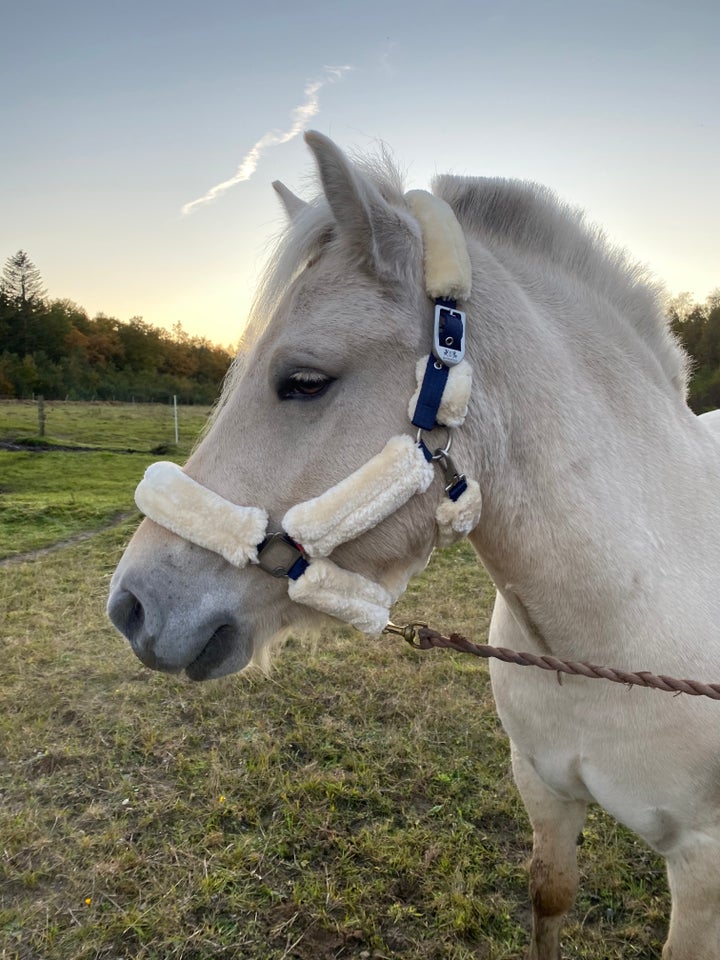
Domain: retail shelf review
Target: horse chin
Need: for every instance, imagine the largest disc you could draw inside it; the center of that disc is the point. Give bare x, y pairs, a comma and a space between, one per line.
304, 624
228, 650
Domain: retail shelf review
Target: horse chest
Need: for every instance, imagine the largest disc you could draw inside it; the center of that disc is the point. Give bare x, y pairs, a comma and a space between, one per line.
608, 747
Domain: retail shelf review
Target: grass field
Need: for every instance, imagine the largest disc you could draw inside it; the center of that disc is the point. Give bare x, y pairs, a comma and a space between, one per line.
356, 803
51, 495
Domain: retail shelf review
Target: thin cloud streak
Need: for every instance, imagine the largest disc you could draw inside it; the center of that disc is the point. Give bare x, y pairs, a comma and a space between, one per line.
309, 108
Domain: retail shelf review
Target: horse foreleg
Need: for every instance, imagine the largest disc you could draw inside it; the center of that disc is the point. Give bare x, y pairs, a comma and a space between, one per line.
554, 876
694, 875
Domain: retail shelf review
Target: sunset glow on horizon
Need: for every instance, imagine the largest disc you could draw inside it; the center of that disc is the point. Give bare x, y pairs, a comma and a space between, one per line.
119, 118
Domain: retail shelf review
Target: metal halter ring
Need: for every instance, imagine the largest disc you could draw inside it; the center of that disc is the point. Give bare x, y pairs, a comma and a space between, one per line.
440, 452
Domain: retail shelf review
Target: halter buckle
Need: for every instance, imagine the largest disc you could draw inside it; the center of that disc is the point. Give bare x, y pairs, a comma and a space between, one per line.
449, 335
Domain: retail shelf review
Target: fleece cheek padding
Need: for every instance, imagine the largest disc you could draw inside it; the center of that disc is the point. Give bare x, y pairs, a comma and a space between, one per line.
362, 500
456, 519
167, 495
456, 395
347, 596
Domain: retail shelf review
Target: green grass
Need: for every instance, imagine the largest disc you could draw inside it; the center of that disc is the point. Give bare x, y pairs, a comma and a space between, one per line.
355, 804
46, 497
50, 496
122, 426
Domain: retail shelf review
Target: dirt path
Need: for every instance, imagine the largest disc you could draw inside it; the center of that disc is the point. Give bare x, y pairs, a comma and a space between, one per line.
11, 446
115, 520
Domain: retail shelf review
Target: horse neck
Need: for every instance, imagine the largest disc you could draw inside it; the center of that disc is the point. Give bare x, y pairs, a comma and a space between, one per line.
596, 482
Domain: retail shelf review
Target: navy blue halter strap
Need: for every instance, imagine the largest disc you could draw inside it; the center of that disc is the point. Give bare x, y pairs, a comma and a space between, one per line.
448, 345
431, 392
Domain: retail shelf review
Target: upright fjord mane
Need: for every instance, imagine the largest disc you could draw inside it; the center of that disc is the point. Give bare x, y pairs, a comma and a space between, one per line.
519, 219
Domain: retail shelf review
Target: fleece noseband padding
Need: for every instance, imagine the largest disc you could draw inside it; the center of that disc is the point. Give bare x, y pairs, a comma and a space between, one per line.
361, 501
171, 498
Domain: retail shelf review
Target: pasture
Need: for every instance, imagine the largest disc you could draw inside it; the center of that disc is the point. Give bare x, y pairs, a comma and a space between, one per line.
85, 478
355, 803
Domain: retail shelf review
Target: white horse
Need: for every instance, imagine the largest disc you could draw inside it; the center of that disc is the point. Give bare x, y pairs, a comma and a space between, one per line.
600, 502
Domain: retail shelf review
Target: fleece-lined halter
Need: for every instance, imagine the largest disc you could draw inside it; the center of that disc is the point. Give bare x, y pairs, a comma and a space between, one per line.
311, 530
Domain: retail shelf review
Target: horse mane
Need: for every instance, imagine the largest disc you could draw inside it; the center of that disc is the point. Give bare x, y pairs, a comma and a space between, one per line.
517, 218
512, 218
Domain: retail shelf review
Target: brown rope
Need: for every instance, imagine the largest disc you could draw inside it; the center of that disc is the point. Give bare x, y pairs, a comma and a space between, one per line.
424, 638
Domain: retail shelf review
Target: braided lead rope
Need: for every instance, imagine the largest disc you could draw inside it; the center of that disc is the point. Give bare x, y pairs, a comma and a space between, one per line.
422, 637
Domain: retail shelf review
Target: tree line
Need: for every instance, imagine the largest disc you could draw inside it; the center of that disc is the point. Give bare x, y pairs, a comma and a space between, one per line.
52, 348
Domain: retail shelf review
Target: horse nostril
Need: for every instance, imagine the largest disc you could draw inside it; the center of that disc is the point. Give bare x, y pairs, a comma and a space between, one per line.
127, 613
136, 618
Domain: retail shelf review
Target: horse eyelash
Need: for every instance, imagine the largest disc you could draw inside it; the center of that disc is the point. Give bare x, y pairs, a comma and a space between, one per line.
304, 385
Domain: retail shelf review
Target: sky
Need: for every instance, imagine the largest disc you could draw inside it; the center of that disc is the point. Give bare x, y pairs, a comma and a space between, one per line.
139, 139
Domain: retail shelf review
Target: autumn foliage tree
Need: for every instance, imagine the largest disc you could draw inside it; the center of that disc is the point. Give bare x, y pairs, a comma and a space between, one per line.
54, 348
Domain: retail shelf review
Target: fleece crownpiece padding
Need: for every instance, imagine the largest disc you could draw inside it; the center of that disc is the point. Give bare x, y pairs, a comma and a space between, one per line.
346, 596
448, 272
167, 495
361, 501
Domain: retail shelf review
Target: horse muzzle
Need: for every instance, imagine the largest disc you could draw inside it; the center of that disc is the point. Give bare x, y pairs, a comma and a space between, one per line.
204, 638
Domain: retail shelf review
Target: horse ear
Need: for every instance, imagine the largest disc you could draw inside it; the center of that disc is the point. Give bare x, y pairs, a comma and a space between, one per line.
380, 234
292, 204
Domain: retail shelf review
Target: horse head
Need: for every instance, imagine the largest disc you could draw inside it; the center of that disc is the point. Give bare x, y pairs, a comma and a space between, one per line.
321, 385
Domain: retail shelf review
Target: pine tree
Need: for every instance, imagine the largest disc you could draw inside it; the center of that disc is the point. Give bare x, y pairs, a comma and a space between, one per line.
22, 296
21, 281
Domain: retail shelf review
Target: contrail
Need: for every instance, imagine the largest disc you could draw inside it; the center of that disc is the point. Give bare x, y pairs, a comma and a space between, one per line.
300, 116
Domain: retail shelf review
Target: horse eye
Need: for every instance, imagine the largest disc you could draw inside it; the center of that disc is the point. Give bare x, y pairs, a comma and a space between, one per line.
304, 385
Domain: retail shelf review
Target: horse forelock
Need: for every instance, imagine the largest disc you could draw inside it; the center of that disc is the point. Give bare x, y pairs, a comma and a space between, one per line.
304, 238
298, 244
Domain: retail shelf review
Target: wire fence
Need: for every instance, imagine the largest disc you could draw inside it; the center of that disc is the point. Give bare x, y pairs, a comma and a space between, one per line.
106, 424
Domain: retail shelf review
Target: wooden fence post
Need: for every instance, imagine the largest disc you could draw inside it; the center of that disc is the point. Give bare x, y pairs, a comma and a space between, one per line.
41, 415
